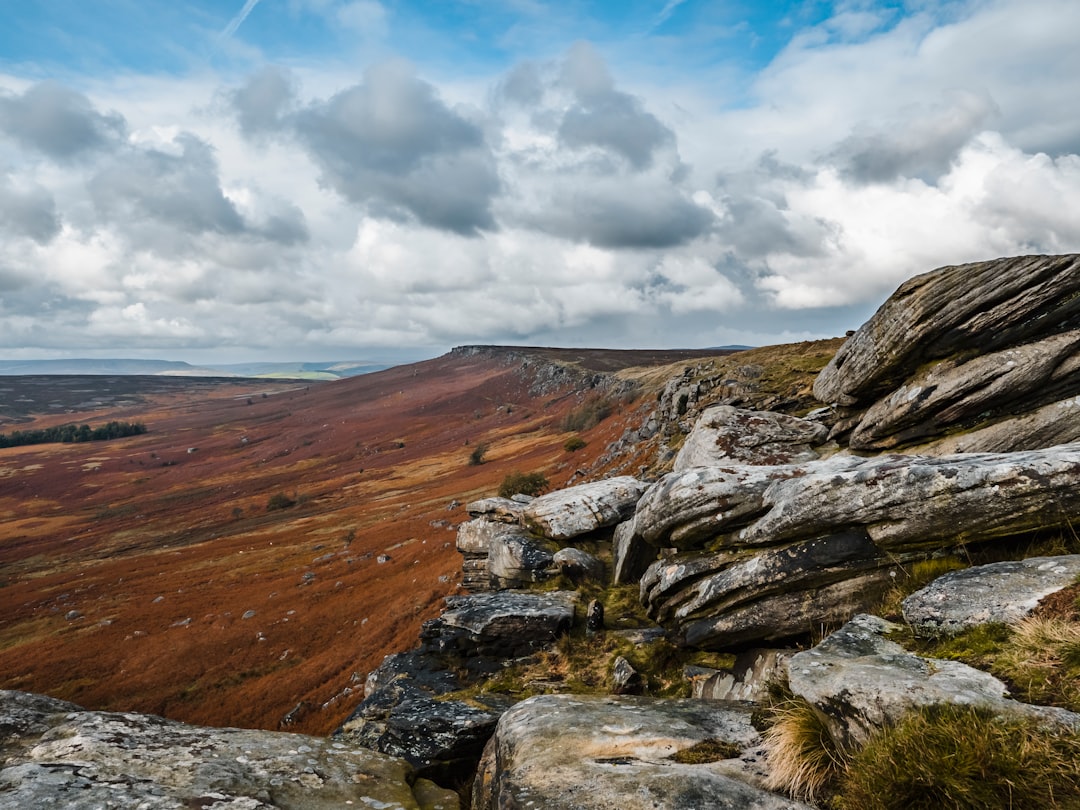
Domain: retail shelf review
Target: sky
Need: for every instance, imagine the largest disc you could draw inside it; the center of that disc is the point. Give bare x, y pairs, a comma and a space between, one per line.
236, 180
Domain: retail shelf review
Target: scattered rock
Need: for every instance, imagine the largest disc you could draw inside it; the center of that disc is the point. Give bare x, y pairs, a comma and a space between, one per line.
748, 678
625, 679
1002, 592
594, 617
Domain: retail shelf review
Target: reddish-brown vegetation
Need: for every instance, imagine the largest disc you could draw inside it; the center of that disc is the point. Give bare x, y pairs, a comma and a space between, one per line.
147, 573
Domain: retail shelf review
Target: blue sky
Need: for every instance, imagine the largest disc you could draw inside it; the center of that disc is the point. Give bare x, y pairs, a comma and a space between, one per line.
311, 179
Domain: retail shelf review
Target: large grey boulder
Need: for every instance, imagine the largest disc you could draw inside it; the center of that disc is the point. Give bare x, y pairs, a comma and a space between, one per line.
769, 552
516, 558
631, 555
860, 682
1002, 592
725, 434
960, 349
57, 755
582, 509
573, 752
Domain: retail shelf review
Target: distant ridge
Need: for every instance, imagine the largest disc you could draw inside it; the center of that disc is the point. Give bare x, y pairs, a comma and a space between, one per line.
331, 370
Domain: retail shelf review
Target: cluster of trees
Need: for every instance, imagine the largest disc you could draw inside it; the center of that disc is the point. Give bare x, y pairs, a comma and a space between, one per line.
72, 433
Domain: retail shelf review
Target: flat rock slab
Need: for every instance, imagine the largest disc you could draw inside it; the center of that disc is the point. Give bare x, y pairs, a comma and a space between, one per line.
725, 434
57, 755
860, 682
572, 752
1002, 592
584, 508
511, 614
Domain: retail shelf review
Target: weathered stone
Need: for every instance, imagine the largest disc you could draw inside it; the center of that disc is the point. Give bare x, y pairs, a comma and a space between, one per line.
584, 508
515, 558
790, 547
432, 797
984, 306
578, 565
1002, 592
564, 752
958, 392
56, 755
594, 616
725, 434
748, 678
860, 682
442, 739
502, 510
474, 536
625, 679
528, 620
631, 554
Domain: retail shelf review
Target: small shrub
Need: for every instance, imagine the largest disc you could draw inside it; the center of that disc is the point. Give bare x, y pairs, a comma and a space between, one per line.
476, 457
519, 483
588, 414
573, 444
964, 758
279, 500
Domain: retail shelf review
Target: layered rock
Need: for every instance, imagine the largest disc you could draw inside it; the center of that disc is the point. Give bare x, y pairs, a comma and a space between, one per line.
58, 755
771, 552
564, 752
1003, 592
959, 349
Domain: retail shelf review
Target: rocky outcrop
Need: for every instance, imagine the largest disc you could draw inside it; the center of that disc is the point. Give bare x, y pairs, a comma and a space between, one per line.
516, 558
57, 755
861, 682
769, 552
961, 348
725, 434
582, 509
747, 679
1002, 592
403, 713
564, 752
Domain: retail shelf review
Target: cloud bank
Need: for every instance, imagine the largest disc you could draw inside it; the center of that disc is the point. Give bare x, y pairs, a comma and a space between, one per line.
313, 210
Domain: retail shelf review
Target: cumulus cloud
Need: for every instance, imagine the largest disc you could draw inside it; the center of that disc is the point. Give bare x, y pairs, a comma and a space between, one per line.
29, 212
392, 146
920, 142
57, 121
262, 101
605, 117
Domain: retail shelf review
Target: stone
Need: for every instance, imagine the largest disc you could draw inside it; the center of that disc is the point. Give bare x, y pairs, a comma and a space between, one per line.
1002, 592
515, 558
474, 536
748, 678
724, 434
521, 622
582, 509
578, 566
766, 553
441, 739
985, 306
58, 755
631, 555
860, 682
594, 617
957, 355
502, 510
624, 678
576, 752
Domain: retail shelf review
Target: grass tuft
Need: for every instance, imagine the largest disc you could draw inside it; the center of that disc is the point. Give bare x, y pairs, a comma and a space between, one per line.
804, 759
962, 758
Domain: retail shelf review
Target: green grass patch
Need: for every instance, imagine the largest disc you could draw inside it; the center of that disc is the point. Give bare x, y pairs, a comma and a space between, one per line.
963, 758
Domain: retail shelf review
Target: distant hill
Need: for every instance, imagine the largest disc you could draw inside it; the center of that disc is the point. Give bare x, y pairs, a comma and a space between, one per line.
332, 370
